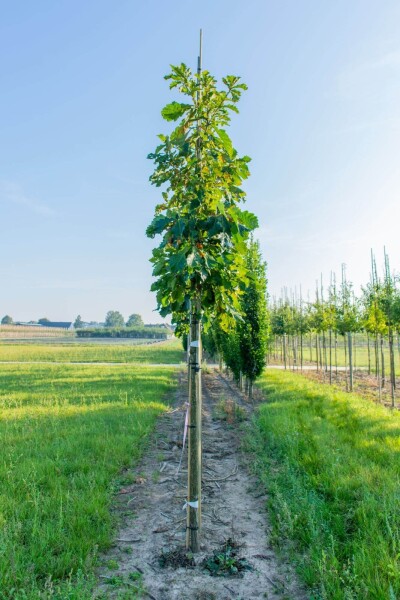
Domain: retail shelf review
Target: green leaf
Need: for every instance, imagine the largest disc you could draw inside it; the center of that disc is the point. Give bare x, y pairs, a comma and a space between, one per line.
177, 262
226, 141
248, 219
174, 111
158, 224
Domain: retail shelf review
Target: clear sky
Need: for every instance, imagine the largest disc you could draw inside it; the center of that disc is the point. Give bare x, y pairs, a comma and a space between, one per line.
81, 92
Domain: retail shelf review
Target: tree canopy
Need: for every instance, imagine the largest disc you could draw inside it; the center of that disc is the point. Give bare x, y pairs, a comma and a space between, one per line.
201, 255
134, 319
114, 319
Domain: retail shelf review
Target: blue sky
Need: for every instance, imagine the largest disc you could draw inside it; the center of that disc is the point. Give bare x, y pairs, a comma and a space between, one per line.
81, 92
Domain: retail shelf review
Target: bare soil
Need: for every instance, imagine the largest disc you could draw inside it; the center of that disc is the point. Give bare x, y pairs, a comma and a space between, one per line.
150, 546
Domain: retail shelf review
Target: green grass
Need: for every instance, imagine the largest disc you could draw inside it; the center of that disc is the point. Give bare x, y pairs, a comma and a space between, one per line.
67, 432
331, 464
169, 352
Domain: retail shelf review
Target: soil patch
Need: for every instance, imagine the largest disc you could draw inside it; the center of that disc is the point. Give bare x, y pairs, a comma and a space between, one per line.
235, 544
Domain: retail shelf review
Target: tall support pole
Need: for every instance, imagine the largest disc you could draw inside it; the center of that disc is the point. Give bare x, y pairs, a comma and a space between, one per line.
193, 504
193, 520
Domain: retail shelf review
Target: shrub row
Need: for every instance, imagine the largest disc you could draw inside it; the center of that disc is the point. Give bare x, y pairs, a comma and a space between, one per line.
159, 333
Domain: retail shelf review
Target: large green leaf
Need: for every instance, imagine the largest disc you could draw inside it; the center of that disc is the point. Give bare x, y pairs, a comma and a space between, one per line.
248, 219
177, 262
174, 110
226, 141
158, 224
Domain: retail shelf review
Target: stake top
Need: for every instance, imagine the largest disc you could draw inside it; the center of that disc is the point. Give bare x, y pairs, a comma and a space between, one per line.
200, 57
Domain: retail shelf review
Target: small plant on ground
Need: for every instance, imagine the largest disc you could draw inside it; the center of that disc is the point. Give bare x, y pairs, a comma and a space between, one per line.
112, 565
228, 410
225, 562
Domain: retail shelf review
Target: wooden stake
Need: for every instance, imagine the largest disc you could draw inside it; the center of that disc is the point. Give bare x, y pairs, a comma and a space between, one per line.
193, 521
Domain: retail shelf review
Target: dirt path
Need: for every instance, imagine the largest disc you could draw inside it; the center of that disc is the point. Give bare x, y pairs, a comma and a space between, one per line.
153, 519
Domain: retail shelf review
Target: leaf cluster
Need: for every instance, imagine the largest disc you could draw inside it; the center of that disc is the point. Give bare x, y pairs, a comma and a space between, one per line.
203, 228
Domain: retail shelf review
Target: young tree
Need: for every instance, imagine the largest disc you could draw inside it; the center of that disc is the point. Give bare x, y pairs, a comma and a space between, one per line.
200, 262
7, 320
78, 323
114, 319
253, 327
135, 320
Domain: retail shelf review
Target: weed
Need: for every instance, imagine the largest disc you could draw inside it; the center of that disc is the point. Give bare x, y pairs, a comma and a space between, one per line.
228, 410
225, 561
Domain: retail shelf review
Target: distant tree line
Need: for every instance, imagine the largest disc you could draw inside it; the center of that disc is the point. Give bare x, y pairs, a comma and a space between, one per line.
125, 332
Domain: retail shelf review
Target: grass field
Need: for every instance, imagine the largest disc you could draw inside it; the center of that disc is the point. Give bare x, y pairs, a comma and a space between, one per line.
331, 464
169, 352
67, 432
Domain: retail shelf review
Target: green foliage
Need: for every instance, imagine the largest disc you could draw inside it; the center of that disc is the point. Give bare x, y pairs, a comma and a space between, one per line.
244, 346
78, 322
135, 320
114, 319
66, 432
7, 320
201, 255
225, 561
253, 328
330, 462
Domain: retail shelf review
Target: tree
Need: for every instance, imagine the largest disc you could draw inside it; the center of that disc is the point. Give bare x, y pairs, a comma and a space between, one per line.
7, 320
43, 321
114, 319
78, 324
253, 327
135, 320
200, 262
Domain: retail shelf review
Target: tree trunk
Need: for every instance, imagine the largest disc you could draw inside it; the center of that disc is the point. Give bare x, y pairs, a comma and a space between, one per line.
336, 361
377, 366
301, 350
311, 354
193, 518
294, 352
383, 364
345, 361
392, 367
330, 356
284, 349
369, 355
350, 342
321, 357
325, 353
355, 351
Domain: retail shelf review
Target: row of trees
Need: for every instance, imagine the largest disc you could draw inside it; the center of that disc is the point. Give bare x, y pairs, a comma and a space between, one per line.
337, 314
243, 348
202, 263
115, 319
